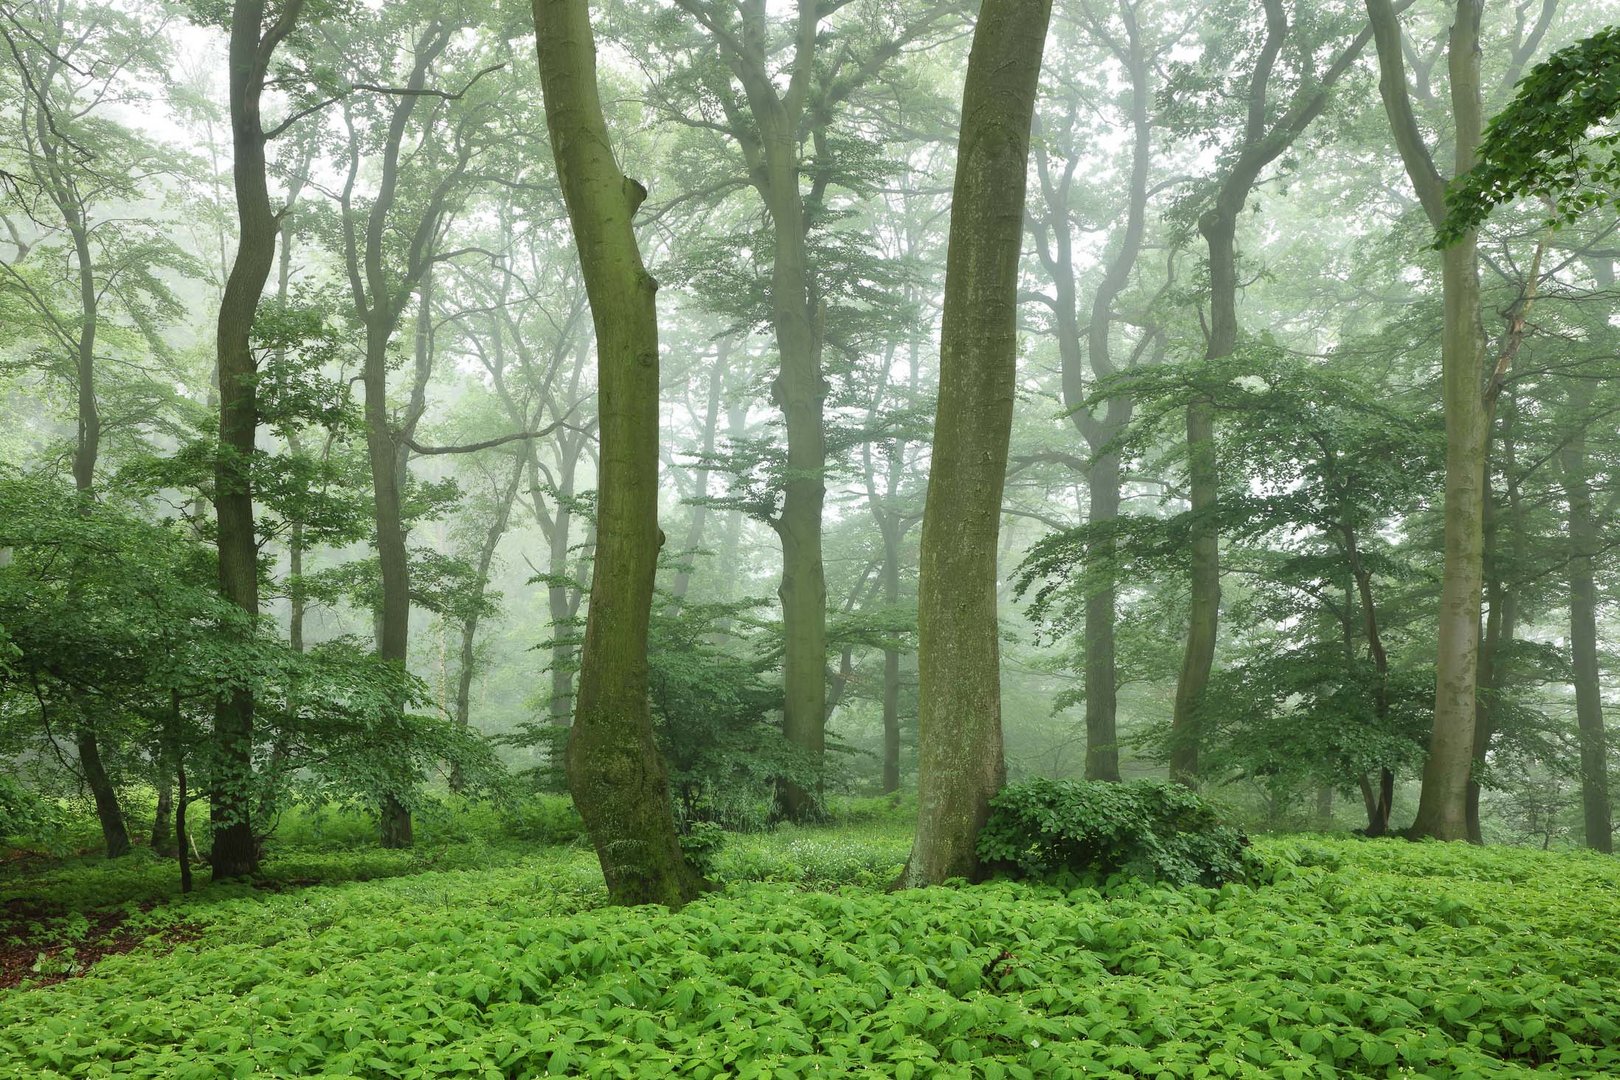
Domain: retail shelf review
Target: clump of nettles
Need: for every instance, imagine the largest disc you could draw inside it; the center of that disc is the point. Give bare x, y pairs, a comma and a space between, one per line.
1151, 829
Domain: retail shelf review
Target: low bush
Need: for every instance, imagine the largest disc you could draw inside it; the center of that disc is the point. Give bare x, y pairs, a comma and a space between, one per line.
1154, 830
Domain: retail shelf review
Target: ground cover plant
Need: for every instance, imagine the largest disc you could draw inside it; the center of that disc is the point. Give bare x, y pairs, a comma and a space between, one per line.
1350, 958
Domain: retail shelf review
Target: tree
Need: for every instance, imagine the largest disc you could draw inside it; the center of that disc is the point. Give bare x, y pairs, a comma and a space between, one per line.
615, 772
1059, 155
74, 65
960, 764
1554, 141
253, 44
785, 132
1442, 808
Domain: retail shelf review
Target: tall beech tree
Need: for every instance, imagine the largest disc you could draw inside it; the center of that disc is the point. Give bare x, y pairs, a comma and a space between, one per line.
84, 274
615, 772
1268, 128
960, 764
257, 29
785, 131
1442, 806
1091, 344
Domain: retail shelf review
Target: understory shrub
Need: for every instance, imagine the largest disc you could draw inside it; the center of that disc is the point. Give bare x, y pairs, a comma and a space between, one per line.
1152, 829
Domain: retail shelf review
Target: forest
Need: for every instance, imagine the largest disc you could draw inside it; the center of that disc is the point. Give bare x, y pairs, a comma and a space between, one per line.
786, 538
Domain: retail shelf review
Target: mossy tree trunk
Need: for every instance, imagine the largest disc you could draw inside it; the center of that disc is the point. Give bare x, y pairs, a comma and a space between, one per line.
615, 771
960, 763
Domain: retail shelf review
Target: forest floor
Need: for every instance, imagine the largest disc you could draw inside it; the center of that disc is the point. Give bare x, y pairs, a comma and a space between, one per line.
479, 956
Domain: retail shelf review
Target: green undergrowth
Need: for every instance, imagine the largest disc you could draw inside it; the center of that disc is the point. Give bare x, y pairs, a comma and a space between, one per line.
1358, 958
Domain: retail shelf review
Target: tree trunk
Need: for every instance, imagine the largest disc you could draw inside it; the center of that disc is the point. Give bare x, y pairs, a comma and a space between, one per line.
1203, 623
615, 771
891, 663
234, 853
801, 392
562, 602
113, 830
960, 764
163, 818
1101, 678
469, 626
1324, 807
1584, 541
181, 839
1443, 805
1501, 620
700, 512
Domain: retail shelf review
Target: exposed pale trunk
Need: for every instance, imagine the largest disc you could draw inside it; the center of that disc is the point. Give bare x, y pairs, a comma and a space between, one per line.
960, 762
615, 771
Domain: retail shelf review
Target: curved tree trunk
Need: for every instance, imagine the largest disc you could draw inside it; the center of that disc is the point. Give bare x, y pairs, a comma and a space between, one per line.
960, 763
615, 771
234, 853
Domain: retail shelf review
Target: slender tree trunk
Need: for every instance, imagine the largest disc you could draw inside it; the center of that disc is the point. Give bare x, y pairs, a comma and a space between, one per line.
163, 817
393, 617
1198, 657
181, 839
891, 663
469, 626
700, 512
1501, 621
801, 392
615, 771
234, 852
959, 711
1101, 677
1584, 540
108, 812
1442, 807
562, 602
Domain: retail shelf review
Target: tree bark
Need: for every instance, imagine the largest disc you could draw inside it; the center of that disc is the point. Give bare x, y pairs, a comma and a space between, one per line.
163, 817
1584, 541
1443, 804
960, 764
234, 853
108, 812
469, 626
1502, 612
615, 771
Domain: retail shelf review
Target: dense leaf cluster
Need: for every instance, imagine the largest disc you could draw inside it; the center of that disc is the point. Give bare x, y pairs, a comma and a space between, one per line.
1154, 830
1375, 958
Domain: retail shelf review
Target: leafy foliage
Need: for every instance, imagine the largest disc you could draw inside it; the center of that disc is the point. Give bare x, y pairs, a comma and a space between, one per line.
1375, 958
1555, 142
1154, 830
